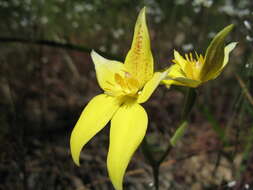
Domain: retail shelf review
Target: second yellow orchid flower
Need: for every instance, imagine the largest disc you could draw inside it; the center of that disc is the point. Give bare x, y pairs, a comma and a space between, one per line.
125, 87
193, 71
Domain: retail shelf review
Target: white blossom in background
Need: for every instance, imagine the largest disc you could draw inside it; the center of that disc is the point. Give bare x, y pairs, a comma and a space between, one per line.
117, 33
246, 186
180, 2
249, 38
231, 184
44, 20
78, 8
16, 2
88, 7
187, 47
211, 34
56, 9
24, 22
102, 48
204, 3
4, 4
247, 24
155, 10
230, 10
75, 24
97, 27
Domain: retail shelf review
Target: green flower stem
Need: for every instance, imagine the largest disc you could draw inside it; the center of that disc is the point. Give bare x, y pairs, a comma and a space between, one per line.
189, 101
179, 133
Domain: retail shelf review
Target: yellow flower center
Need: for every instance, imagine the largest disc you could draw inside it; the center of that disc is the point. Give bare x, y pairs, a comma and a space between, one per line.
125, 85
193, 66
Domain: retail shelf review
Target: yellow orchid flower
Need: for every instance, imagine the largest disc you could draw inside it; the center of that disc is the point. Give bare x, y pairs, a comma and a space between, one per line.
125, 87
193, 71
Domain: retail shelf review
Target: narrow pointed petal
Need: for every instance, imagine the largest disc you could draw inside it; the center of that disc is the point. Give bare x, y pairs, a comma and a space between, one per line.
178, 59
94, 117
128, 127
182, 81
105, 70
215, 53
151, 85
227, 51
139, 60
175, 71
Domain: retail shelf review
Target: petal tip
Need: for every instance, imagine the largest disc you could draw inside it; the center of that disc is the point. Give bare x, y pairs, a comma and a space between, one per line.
176, 53
142, 15
74, 153
77, 162
94, 54
231, 26
143, 10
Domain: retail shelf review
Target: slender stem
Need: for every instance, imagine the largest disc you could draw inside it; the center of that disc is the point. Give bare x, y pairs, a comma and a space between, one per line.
189, 101
155, 169
167, 151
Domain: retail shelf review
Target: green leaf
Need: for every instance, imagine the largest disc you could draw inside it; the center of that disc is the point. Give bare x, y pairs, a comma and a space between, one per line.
215, 53
179, 133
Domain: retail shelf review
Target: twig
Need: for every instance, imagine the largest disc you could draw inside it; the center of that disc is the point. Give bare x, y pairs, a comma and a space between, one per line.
245, 89
56, 45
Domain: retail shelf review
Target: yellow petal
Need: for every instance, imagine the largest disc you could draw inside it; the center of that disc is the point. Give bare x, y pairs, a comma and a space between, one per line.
227, 51
151, 85
182, 81
175, 71
106, 70
93, 118
215, 54
128, 127
213, 74
178, 59
139, 60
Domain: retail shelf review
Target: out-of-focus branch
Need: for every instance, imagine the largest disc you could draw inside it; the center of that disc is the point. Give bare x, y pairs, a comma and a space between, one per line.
245, 89
55, 44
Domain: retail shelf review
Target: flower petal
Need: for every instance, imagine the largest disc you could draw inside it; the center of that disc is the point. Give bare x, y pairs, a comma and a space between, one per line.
175, 71
182, 81
105, 71
139, 60
215, 54
227, 50
178, 59
93, 118
151, 85
128, 127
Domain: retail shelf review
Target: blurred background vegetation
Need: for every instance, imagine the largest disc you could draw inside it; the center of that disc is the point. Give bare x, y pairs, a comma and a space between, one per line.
47, 77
